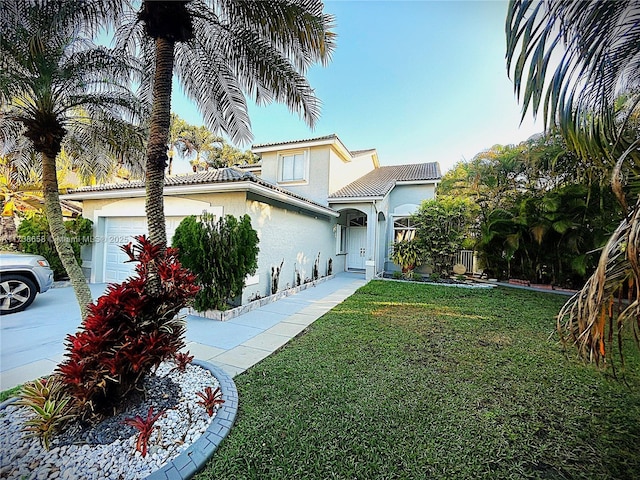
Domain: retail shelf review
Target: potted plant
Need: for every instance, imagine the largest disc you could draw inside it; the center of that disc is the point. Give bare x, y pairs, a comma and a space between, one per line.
407, 254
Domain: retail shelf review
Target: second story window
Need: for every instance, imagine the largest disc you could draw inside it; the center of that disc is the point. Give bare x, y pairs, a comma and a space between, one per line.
293, 167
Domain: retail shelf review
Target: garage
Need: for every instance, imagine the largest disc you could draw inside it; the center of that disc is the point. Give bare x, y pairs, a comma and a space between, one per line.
120, 231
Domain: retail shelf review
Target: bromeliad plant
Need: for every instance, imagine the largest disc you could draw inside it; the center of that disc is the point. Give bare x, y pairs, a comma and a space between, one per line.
145, 427
47, 399
128, 332
210, 398
182, 360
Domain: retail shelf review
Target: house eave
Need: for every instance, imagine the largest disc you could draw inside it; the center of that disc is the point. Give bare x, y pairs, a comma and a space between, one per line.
195, 189
418, 182
356, 199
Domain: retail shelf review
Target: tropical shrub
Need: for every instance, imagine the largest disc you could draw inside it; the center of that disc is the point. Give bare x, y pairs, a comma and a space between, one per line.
128, 332
221, 253
442, 226
275, 277
408, 254
34, 236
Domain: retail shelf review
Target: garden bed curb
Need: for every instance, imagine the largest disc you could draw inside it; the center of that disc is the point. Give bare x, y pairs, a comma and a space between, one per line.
224, 315
189, 462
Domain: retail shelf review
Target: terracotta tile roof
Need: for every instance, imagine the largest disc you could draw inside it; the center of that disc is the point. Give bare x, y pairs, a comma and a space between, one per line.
221, 175
378, 182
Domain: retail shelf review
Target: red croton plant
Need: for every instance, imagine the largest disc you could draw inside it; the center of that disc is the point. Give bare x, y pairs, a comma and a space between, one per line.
128, 332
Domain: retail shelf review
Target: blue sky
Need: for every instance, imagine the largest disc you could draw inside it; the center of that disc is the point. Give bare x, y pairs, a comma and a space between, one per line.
420, 81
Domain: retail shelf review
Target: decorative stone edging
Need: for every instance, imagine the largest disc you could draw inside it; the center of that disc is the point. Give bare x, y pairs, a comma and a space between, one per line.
224, 315
185, 465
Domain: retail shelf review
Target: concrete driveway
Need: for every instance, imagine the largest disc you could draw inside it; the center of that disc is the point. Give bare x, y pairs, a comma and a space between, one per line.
32, 342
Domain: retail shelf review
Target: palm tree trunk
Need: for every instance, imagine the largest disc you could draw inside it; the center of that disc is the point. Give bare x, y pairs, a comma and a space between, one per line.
59, 233
158, 140
157, 152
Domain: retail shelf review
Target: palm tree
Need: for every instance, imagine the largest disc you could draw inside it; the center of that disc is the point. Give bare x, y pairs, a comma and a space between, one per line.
50, 73
578, 61
220, 51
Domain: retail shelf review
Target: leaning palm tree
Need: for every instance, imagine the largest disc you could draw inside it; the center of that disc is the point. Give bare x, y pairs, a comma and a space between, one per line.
49, 72
220, 51
578, 62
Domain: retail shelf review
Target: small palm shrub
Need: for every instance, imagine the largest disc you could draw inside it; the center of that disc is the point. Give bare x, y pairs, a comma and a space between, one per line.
128, 332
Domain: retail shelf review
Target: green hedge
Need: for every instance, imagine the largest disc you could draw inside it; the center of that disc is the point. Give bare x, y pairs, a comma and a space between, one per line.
221, 253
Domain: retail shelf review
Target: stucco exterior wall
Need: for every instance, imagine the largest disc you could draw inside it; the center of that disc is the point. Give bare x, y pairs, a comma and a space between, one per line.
283, 234
316, 184
294, 237
344, 172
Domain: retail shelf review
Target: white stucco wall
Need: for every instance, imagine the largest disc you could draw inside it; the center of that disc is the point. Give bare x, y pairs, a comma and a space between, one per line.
316, 184
344, 171
294, 237
283, 233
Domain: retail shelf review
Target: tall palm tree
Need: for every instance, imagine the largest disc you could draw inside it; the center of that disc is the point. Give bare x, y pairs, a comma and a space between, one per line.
220, 51
578, 61
49, 72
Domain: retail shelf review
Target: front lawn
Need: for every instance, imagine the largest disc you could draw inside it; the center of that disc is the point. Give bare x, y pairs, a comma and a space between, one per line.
418, 381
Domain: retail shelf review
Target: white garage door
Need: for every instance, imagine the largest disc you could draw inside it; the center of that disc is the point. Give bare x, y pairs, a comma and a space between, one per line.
120, 231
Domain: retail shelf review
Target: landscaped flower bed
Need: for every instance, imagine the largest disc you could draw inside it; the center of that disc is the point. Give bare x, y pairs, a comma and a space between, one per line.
108, 449
224, 315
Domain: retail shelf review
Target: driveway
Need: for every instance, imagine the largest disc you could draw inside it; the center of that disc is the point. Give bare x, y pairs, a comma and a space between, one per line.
32, 342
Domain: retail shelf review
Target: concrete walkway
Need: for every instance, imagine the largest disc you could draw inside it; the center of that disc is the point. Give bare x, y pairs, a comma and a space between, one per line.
32, 342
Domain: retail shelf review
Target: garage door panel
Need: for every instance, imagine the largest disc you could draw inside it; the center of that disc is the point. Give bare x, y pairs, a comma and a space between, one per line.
120, 231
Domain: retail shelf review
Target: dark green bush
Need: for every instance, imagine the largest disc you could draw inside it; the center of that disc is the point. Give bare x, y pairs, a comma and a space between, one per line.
221, 253
34, 236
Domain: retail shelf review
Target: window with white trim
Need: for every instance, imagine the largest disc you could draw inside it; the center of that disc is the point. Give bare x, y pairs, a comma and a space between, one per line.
341, 239
403, 229
293, 167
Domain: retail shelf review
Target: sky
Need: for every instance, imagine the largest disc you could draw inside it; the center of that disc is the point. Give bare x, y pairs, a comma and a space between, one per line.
419, 81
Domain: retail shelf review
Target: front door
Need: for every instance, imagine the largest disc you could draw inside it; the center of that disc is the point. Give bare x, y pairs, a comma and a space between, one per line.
357, 247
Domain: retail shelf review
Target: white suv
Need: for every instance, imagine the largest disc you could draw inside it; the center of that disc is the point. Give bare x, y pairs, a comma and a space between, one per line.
22, 277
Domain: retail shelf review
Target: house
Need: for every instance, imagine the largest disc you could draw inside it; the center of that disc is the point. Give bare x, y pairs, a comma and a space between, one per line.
306, 198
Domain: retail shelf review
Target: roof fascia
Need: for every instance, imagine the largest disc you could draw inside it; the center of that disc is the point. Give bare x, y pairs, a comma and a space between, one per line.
356, 199
207, 188
417, 182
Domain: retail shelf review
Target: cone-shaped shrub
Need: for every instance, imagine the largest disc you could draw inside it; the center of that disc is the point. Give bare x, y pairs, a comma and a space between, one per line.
127, 332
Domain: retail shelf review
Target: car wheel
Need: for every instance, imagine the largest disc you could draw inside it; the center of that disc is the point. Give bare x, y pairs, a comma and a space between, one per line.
16, 293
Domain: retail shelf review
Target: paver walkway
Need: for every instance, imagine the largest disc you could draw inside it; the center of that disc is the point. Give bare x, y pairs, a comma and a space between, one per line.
32, 342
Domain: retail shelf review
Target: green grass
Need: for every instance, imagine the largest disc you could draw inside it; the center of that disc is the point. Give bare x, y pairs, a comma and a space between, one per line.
418, 381
7, 394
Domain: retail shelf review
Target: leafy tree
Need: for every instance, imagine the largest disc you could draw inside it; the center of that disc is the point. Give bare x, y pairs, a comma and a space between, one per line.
35, 238
442, 225
592, 95
53, 78
221, 253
